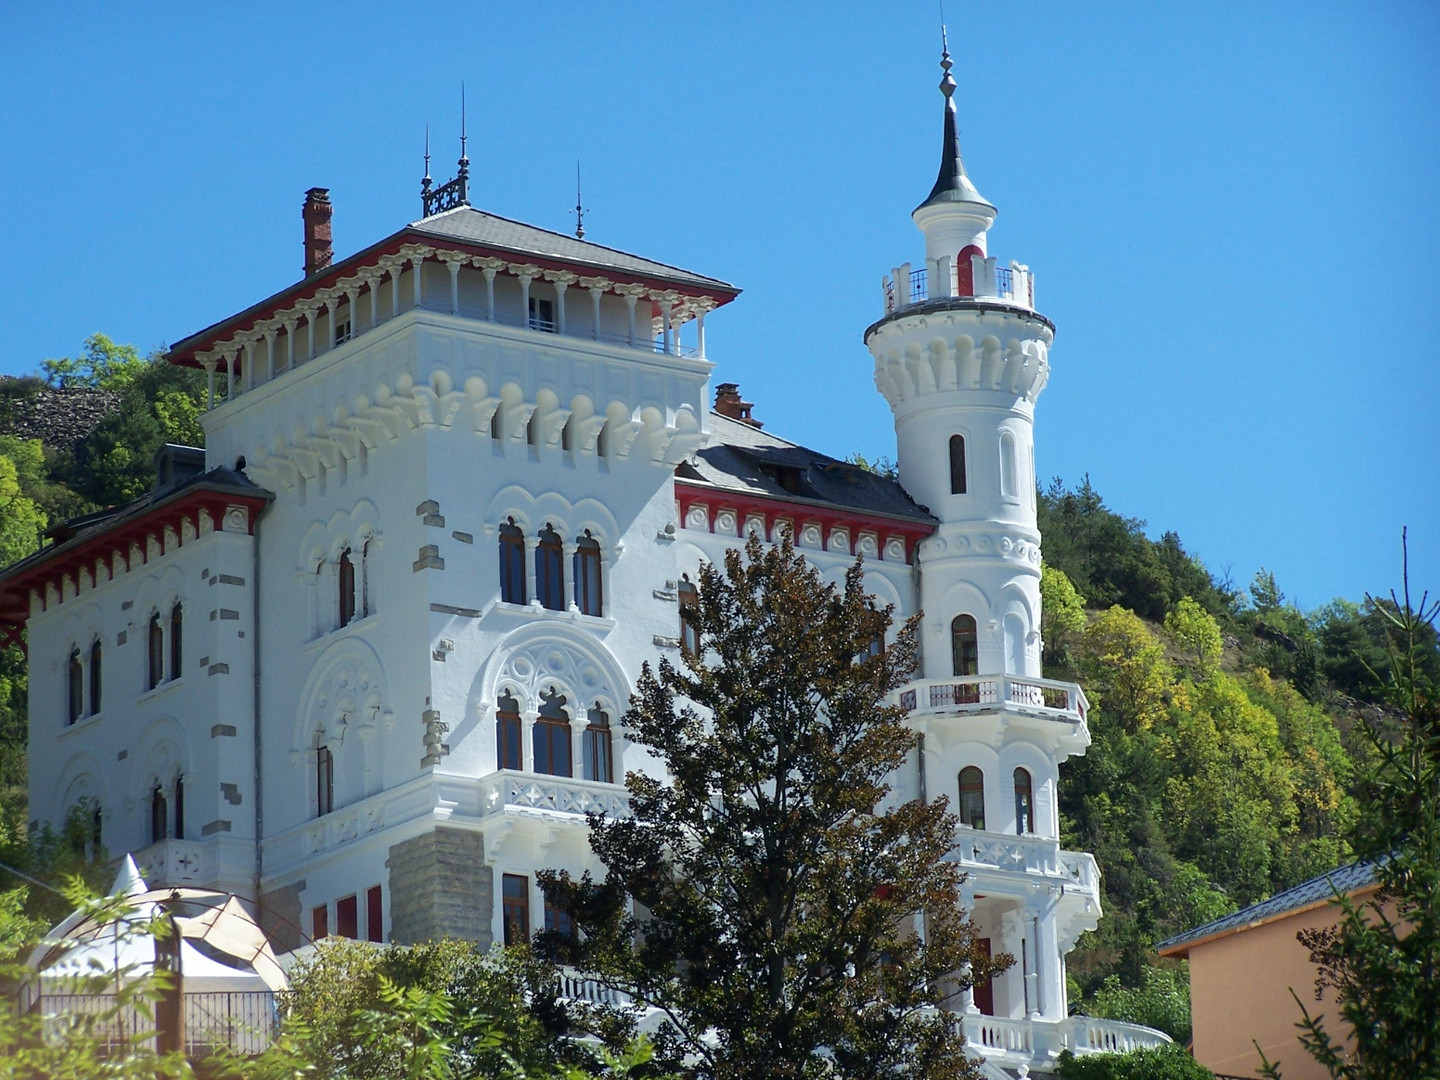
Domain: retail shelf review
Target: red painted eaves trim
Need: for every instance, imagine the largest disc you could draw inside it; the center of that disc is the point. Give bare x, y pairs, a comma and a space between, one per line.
688, 493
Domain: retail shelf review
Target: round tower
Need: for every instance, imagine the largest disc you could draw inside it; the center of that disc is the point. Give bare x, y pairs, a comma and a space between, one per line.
961, 356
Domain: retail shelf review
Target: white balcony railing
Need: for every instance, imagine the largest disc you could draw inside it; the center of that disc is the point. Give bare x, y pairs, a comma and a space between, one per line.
539, 793
980, 851
983, 279
172, 862
1016, 1041
576, 986
982, 693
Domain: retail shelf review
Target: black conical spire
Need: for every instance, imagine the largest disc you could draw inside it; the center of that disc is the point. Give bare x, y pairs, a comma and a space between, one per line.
952, 185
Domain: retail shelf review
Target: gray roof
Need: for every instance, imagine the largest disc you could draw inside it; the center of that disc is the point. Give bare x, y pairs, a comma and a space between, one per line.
75, 532
1344, 880
742, 458
465, 224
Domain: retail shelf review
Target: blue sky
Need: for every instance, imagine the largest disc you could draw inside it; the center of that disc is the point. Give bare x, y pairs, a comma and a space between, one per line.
1231, 211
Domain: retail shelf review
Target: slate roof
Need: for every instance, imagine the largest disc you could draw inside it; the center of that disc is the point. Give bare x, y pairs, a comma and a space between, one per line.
77, 531
468, 225
1317, 890
742, 458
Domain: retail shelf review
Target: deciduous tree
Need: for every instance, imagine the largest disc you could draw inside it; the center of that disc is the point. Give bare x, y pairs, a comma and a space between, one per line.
786, 914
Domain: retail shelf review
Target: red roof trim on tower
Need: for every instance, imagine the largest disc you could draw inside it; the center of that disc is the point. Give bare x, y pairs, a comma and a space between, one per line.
800, 512
184, 352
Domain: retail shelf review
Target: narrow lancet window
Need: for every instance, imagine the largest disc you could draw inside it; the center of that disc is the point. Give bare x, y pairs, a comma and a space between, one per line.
324, 780
94, 677
507, 733
957, 464
972, 797
550, 570
587, 575
1024, 803
347, 587
689, 618
76, 686
552, 736
512, 563
156, 661
964, 646
597, 748
177, 640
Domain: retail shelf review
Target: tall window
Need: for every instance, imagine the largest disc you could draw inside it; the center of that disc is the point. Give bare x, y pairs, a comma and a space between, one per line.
596, 748
155, 671
347, 917
94, 677
177, 640
512, 563
365, 579
374, 915
1024, 803
347, 588
179, 807
76, 681
964, 646
689, 613
515, 907
587, 574
557, 919
159, 815
1009, 472
972, 797
324, 780
957, 464
319, 922
550, 570
542, 314
552, 736
507, 733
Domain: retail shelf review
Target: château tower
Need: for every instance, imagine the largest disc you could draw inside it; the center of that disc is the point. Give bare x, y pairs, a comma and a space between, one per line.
961, 357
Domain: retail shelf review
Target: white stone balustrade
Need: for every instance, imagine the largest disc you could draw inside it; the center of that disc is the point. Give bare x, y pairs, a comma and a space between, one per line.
983, 853
1012, 1041
173, 862
544, 795
1013, 285
982, 693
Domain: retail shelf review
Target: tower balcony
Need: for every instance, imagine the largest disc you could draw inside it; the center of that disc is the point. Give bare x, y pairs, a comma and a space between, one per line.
1010, 1042
972, 277
1003, 863
1051, 712
556, 798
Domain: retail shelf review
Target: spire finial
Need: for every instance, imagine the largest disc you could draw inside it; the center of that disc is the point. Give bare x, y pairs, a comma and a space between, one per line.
947, 81
425, 180
579, 210
462, 177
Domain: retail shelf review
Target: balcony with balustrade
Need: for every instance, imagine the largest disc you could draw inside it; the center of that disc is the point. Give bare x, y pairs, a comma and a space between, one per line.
555, 798
967, 280
1011, 1042
1052, 712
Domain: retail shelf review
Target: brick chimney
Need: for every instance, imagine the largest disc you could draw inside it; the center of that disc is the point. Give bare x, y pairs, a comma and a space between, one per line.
728, 403
317, 212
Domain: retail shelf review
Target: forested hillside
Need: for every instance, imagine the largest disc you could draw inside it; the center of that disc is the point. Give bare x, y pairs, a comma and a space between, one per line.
1226, 723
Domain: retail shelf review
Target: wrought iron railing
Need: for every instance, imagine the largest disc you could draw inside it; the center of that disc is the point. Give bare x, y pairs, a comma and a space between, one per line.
1004, 282
919, 289
243, 1020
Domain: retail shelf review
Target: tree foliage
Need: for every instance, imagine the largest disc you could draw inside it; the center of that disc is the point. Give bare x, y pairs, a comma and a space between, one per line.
765, 900
1171, 1062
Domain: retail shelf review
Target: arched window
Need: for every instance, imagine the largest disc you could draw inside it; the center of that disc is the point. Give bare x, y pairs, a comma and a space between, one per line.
964, 646
324, 780
550, 570
346, 577
179, 807
972, 797
512, 563
507, 733
94, 676
689, 614
596, 748
1009, 472
1024, 803
957, 464
159, 815
552, 736
587, 574
177, 641
76, 681
155, 671
365, 578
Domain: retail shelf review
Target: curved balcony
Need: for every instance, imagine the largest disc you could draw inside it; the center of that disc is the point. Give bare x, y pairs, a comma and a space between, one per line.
1052, 713
542, 795
979, 278
995, 858
1012, 1042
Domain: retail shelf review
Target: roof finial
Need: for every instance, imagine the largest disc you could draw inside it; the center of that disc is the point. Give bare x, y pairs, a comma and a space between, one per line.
425, 180
579, 210
947, 81
462, 177
952, 185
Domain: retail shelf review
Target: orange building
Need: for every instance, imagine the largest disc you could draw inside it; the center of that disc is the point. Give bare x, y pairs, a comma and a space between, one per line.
1242, 968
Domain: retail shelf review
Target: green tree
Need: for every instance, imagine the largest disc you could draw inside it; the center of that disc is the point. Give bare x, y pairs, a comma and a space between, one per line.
1161, 1002
1171, 1062
1382, 960
1198, 632
775, 886
1124, 665
1062, 613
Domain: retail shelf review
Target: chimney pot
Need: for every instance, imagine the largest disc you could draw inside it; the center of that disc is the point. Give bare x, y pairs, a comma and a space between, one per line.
318, 250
